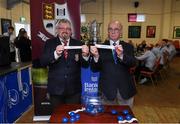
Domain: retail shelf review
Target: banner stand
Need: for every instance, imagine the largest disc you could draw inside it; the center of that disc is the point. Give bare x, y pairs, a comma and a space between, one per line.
44, 17
40, 99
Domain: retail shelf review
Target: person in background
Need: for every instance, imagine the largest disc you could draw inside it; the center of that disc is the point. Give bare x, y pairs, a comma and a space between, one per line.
23, 43
141, 46
156, 50
64, 75
131, 42
163, 51
116, 82
149, 60
12, 37
171, 49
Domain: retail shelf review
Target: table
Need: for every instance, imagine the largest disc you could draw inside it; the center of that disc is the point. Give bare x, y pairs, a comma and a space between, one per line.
14, 66
15, 91
106, 117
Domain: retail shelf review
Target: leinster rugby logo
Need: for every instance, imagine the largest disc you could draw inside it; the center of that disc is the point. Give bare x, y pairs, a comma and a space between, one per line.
51, 14
13, 97
25, 91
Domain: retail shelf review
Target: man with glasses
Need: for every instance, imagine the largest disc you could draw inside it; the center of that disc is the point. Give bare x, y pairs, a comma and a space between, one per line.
64, 76
116, 82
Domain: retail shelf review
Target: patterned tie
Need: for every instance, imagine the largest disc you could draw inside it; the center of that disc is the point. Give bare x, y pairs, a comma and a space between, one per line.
65, 51
114, 54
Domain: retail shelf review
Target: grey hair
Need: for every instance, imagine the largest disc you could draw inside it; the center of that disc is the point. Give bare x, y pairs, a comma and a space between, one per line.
63, 21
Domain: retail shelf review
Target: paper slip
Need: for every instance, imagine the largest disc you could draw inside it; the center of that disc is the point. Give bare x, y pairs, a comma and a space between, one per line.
104, 46
97, 45
72, 47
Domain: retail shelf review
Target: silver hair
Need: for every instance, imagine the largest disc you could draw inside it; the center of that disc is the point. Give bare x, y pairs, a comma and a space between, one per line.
63, 21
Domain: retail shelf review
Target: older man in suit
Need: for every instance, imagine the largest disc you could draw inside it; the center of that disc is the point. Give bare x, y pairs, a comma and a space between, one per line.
64, 76
116, 82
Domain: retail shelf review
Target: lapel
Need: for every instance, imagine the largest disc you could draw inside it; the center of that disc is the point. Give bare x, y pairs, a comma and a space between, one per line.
71, 43
58, 42
121, 42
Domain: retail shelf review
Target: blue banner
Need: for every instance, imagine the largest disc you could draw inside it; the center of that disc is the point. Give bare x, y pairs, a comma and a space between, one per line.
3, 100
89, 81
26, 89
15, 95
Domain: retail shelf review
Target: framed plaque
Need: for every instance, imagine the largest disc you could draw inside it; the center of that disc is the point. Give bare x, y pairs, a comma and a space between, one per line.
151, 31
134, 31
176, 32
5, 23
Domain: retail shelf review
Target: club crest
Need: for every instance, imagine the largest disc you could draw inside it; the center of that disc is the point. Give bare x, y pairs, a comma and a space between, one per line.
51, 13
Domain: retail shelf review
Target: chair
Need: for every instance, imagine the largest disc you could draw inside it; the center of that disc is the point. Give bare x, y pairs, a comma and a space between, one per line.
152, 74
166, 65
176, 44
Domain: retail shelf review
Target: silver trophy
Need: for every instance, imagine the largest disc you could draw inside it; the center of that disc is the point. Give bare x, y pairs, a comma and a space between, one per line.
94, 32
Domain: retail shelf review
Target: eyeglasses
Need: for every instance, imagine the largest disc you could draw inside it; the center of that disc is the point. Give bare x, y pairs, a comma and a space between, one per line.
116, 30
64, 29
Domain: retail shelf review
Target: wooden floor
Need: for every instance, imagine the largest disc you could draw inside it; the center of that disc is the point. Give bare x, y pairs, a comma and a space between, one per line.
155, 104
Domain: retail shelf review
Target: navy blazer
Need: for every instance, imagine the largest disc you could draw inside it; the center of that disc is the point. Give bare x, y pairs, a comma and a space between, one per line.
64, 75
113, 76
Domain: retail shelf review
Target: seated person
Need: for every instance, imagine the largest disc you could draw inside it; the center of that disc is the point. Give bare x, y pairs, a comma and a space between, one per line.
171, 49
164, 53
131, 42
141, 46
156, 50
149, 60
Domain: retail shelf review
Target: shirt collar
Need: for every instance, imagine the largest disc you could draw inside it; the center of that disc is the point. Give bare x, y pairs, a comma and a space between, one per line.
111, 42
62, 41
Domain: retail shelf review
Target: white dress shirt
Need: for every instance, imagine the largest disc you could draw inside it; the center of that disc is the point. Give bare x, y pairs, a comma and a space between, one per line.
149, 58
117, 43
56, 56
12, 37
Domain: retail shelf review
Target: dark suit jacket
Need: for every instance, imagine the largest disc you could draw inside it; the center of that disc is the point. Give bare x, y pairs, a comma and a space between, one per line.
64, 76
113, 76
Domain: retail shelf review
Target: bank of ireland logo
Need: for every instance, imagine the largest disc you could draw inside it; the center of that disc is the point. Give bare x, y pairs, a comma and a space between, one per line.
13, 97
51, 14
94, 78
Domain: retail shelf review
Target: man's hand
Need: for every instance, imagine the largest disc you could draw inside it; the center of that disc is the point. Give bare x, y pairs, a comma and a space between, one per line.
94, 51
85, 51
119, 50
59, 49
